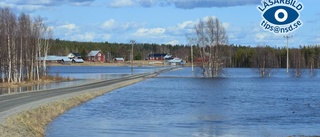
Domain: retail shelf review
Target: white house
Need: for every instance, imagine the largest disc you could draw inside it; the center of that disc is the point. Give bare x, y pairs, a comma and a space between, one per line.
56, 59
118, 60
176, 61
75, 57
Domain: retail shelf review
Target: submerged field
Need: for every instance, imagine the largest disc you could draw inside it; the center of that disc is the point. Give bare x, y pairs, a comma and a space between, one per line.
178, 104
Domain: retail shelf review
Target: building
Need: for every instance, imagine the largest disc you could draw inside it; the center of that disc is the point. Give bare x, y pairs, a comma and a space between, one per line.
75, 57
176, 61
96, 56
118, 60
56, 59
159, 57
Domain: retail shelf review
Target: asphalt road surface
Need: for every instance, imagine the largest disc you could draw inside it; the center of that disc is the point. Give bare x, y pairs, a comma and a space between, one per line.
8, 102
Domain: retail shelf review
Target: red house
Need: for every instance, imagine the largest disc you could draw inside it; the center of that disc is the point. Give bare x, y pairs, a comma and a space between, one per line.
96, 56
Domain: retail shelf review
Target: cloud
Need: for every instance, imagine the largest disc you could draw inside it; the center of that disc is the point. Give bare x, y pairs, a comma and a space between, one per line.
186, 24
121, 3
4, 4
190, 4
109, 24
142, 32
262, 36
106, 37
32, 5
184, 4
112, 25
66, 29
88, 36
69, 26
173, 42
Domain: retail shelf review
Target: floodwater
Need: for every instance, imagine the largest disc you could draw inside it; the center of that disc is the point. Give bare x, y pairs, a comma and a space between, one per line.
179, 104
81, 74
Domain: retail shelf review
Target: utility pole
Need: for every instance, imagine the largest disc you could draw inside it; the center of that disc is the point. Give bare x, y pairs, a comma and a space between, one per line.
288, 37
192, 58
132, 43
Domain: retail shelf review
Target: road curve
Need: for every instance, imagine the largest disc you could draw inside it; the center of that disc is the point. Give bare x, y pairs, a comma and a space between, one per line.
8, 102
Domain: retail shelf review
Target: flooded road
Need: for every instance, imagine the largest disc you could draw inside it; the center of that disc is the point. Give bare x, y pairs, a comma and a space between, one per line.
81, 74
240, 104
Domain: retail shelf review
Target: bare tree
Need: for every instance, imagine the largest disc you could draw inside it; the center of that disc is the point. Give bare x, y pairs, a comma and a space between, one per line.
264, 59
24, 31
22, 43
210, 35
297, 62
8, 24
39, 30
46, 41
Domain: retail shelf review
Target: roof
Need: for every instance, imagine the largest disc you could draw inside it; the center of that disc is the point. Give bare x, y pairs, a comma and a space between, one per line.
168, 56
175, 60
157, 55
94, 53
76, 54
55, 58
78, 60
119, 59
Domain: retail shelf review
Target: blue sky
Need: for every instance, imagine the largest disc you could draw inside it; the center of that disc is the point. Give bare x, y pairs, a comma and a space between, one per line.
163, 21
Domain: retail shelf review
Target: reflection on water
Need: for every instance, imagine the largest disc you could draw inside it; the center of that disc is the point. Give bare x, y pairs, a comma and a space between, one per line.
82, 74
240, 105
41, 86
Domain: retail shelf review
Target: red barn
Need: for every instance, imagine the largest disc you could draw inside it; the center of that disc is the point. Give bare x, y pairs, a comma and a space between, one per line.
96, 56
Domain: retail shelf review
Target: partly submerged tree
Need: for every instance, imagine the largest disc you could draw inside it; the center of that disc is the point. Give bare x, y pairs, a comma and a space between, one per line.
210, 36
22, 42
264, 60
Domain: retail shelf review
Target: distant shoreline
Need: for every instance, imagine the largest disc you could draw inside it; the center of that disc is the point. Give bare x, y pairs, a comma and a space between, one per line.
87, 63
157, 63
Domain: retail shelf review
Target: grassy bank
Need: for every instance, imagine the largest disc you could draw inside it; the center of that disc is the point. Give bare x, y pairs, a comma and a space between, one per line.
43, 80
32, 123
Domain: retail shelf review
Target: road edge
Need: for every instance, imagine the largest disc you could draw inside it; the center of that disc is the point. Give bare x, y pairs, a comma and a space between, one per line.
29, 119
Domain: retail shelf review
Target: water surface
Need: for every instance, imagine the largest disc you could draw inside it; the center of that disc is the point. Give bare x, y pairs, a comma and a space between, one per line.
240, 104
81, 74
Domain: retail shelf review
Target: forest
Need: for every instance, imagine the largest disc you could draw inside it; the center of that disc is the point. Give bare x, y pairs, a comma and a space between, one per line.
234, 56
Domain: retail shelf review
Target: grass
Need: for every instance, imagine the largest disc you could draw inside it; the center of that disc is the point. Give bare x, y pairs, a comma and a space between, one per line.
43, 80
32, 123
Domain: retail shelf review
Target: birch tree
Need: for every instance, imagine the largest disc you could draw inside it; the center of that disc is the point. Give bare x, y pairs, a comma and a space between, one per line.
210, 35
22, 42
46, 41
7, 27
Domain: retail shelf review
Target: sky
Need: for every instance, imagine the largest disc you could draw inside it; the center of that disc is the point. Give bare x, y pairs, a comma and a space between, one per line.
163, 21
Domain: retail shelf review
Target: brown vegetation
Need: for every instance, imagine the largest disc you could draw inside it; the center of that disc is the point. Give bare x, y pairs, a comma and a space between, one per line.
43, 80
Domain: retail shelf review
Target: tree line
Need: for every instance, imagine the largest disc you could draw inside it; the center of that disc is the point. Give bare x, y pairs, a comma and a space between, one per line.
233, 56
23, 41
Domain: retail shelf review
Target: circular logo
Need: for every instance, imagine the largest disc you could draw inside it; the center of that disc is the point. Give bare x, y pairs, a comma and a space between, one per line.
281, 15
